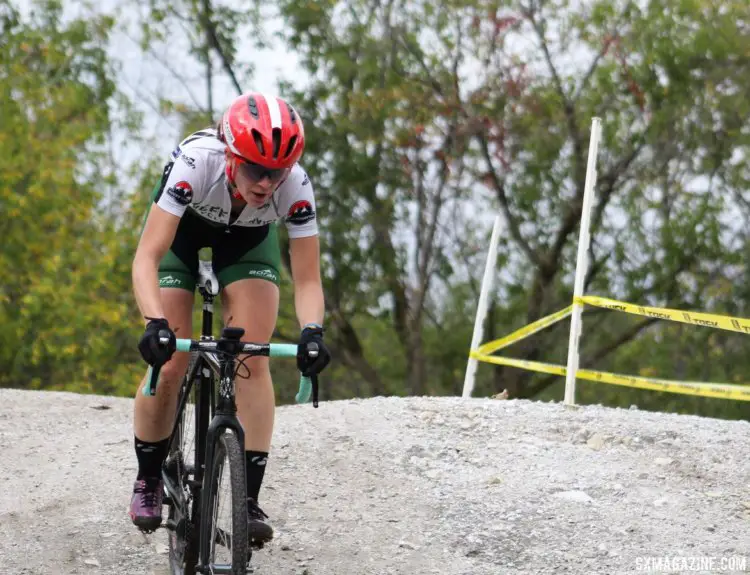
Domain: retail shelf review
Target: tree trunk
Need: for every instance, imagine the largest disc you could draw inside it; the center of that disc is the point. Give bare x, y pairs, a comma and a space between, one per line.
417, 364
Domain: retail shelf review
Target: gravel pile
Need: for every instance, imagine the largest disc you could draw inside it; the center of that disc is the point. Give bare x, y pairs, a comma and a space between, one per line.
391, 486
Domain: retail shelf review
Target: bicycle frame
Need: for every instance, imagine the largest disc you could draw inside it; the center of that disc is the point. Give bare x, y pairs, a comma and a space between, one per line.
215, 362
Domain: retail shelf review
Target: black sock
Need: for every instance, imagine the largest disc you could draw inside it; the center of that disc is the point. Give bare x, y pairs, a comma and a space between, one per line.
255, 464
150, 457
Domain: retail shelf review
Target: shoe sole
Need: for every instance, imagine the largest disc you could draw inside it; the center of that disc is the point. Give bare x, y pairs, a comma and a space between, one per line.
259, 542
147, 524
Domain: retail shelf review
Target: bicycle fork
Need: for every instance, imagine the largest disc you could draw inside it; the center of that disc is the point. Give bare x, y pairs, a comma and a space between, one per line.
224, 420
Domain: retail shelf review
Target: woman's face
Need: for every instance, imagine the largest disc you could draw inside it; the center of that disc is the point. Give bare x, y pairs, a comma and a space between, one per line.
255, 193
255, 183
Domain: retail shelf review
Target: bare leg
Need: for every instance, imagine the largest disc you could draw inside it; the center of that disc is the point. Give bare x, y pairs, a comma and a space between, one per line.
253, 305
154, 416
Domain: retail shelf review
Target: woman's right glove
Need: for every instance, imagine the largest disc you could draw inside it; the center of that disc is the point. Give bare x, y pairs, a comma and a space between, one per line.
152, 350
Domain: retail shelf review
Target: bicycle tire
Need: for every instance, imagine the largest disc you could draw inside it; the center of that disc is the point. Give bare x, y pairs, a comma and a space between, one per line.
183, 541
228, 451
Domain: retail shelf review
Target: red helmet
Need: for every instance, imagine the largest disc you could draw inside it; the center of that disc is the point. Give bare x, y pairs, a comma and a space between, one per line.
265, 130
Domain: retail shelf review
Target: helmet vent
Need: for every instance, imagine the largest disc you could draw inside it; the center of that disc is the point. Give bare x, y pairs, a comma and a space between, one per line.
290, 147
253, 105
276, 142
292, 114
259, 142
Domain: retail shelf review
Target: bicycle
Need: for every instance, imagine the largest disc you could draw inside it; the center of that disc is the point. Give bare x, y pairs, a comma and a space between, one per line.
192, 491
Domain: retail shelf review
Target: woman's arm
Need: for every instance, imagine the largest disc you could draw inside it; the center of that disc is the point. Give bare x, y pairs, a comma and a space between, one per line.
156, 238
308, 288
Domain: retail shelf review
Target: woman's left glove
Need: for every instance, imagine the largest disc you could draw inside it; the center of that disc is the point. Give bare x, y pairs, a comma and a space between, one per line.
311, 339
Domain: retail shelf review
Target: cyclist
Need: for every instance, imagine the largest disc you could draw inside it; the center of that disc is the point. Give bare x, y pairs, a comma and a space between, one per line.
226, 187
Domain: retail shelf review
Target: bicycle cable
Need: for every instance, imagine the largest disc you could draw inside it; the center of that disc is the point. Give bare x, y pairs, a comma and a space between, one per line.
240, 362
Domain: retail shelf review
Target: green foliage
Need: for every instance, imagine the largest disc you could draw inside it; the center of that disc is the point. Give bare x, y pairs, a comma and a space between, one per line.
423, 120
65, 306
188, 16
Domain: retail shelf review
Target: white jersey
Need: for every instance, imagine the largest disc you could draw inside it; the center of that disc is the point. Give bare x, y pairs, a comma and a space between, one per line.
197, 181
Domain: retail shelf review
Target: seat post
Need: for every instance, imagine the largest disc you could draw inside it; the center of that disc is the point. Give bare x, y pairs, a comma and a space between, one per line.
208, 314
208, 286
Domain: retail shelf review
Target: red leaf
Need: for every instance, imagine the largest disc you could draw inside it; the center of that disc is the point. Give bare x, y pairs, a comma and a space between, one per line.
502, 24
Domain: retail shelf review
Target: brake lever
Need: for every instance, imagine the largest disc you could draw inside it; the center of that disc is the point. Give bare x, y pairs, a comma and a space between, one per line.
313, 351
314, 381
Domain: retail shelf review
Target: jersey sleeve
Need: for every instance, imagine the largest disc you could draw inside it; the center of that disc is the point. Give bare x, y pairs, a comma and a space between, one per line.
300, 218
184, 182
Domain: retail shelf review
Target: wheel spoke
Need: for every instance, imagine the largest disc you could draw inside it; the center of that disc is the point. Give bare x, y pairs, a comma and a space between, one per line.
228, 521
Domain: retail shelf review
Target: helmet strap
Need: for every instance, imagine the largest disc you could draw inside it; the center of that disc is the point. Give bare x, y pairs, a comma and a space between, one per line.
230, 170
233, 191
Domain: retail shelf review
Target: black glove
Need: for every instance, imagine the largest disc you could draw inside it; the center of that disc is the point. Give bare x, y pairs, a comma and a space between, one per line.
310, 339
153, 351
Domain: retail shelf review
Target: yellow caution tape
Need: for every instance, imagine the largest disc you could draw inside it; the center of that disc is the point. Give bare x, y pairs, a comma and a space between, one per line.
720, 390
730, 323
522, 364
524, 332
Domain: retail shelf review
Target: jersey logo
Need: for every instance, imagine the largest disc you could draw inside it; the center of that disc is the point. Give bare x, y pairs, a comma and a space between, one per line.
300, 213
181, 192
188, 160
178, 153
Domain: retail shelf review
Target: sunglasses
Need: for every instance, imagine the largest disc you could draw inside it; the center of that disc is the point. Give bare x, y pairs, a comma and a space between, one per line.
256, 172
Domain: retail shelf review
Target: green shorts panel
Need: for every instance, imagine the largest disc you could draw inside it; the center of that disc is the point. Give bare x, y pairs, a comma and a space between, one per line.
262, 261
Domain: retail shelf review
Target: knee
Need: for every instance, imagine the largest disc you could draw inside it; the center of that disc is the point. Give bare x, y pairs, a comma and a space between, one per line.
258, 367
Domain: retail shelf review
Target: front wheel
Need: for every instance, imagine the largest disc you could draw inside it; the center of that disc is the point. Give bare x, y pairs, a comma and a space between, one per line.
226, 522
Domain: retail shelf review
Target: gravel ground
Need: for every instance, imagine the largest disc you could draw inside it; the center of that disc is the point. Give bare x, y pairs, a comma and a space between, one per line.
393, 486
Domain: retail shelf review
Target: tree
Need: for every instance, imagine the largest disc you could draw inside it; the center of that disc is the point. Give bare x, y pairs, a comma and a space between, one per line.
672, 125
387, 155
417, 110
64, 298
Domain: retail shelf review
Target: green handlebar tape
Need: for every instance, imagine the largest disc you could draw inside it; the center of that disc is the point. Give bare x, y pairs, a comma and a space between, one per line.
283, 350
305, 389
183, 345
147, 388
